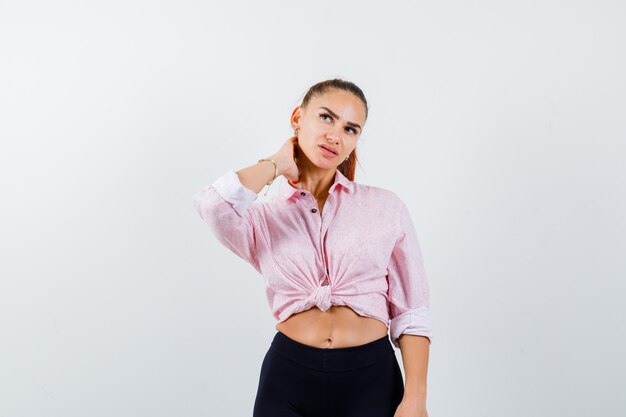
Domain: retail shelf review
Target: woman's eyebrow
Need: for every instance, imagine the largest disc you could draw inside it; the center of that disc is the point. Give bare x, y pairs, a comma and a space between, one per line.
332, 113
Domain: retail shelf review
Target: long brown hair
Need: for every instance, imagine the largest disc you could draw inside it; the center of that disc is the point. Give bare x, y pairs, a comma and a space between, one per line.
347, 167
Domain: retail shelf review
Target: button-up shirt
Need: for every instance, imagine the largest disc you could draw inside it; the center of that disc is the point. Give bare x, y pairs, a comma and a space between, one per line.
361, 251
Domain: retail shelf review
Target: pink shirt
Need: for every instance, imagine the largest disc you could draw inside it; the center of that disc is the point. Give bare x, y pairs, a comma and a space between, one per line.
362, 252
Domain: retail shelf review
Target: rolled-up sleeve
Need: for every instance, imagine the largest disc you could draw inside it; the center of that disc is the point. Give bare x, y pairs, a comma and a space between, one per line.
409, 304
224, 205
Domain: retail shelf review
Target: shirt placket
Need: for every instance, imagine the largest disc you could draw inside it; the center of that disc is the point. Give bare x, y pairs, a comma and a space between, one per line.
324, 220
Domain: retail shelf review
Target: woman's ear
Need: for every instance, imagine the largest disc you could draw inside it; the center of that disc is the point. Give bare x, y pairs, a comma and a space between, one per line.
295, 115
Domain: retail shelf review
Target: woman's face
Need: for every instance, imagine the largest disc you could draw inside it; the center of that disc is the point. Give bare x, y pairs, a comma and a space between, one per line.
335, 120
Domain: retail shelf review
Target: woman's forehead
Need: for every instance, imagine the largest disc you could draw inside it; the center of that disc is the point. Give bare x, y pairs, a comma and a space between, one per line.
342, 103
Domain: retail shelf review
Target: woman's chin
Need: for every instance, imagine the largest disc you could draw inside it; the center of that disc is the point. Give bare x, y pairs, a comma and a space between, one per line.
326, 164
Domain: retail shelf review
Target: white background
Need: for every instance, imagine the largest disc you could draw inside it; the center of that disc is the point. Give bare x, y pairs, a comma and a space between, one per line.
501, 124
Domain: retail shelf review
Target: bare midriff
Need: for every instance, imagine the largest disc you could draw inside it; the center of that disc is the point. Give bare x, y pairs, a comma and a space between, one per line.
337, 327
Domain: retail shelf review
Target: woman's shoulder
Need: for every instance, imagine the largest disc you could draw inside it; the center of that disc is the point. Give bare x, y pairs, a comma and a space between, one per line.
377, 191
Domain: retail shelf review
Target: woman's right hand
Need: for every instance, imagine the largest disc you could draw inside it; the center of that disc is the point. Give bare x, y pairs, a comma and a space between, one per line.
287, 159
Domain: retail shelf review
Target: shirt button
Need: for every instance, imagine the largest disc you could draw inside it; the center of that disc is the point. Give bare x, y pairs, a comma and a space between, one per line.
313, 210
302, 193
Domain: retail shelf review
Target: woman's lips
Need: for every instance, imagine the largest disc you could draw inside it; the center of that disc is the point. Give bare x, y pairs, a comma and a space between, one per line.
327, 153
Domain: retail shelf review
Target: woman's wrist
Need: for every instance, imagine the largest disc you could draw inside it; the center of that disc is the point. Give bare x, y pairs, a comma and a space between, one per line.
414, 394
274, 166
280, 164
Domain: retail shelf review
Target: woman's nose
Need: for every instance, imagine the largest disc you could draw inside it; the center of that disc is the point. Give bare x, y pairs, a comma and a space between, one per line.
334, 134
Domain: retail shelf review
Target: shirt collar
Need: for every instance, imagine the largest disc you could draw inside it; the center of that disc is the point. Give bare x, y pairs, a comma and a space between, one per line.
289, 190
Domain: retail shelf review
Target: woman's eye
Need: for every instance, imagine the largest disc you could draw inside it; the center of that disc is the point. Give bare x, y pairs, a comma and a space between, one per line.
323, 115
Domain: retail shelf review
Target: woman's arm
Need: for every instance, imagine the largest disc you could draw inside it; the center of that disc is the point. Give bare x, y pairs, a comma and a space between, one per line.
256, 176
224, 204
410, 324
408, 283
415, 352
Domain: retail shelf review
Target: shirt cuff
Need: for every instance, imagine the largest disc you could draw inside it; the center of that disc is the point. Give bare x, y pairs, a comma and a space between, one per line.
416, 322
232, 190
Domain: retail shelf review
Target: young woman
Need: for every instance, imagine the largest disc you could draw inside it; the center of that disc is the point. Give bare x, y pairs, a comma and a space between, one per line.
342, 265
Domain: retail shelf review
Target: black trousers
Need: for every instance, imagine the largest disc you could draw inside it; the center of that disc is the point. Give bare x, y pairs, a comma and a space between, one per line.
298, 380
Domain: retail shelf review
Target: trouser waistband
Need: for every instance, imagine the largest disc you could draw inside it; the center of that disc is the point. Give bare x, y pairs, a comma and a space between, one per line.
332, 359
